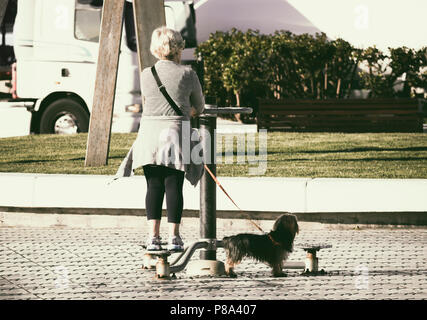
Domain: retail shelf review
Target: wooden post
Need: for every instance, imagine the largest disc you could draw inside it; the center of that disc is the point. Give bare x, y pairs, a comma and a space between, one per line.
149, 15
3, 6
98, 142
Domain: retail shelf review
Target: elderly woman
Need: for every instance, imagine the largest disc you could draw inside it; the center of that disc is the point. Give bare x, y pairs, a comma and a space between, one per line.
159, 145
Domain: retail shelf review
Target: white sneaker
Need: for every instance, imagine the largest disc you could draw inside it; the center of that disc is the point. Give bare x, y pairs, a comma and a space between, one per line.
175, 244
154, 244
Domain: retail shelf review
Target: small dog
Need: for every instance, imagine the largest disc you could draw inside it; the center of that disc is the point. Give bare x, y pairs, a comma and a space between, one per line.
271, 248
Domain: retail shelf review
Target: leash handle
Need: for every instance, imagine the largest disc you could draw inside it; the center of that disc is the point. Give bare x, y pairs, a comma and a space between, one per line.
223, 190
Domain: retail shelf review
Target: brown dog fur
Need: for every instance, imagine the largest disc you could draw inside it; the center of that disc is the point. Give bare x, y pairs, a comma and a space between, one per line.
272, 248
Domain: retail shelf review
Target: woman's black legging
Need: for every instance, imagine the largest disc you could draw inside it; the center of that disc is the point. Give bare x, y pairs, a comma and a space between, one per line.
161, 180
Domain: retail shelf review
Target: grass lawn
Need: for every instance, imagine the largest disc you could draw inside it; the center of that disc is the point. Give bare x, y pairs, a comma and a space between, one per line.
366, 155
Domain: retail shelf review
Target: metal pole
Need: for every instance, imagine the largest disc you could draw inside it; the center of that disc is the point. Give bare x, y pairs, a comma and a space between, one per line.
207, 126
3, 7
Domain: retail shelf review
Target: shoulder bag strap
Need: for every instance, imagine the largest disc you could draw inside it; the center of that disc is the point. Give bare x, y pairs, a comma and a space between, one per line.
164, 92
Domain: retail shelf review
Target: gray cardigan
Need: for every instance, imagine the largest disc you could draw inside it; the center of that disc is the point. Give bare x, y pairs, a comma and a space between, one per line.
182, 84
163, 137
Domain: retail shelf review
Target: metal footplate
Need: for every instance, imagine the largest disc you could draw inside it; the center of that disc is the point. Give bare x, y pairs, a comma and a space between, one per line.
162, 265
311, 260
164, 269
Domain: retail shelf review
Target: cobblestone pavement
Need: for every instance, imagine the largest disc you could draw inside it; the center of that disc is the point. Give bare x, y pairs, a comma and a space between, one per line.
71, 263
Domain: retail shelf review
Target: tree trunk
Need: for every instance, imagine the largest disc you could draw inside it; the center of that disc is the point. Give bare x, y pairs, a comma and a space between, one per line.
237, 115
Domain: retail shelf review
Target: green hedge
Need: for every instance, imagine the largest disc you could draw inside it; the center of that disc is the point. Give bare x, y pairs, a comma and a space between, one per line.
242, 66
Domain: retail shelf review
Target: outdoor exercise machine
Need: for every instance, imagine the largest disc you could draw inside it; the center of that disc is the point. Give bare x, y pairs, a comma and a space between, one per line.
158, 260
208, 244
311, 260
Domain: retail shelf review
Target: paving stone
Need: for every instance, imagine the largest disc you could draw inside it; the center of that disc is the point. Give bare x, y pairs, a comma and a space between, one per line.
106, 264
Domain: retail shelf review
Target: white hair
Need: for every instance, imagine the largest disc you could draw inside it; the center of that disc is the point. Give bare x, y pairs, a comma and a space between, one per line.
166, 43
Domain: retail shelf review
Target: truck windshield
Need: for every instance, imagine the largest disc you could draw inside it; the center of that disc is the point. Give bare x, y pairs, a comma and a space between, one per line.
88, 21
89, 12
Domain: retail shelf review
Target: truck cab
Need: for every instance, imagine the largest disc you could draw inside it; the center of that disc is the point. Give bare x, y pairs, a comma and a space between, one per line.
56, 48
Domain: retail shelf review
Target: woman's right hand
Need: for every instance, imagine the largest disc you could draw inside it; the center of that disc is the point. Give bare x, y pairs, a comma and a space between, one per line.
194, 113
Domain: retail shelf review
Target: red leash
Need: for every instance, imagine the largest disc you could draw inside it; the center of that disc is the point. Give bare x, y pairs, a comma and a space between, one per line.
223, 190
250, 220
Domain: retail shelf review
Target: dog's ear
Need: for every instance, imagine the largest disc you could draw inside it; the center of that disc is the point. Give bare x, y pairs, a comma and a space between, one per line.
295, 223
288, 221
278, 222
285, 228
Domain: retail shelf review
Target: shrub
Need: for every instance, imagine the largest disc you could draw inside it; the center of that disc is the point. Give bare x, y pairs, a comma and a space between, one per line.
240, 67
385, 70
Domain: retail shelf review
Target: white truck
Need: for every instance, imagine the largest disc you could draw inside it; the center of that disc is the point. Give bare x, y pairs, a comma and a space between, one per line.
56, 49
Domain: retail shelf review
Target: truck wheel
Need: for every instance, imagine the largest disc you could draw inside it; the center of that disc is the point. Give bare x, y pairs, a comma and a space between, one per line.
64, 116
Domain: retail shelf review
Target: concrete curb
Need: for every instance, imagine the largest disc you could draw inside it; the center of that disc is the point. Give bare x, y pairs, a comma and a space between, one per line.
119, 218
382, 201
